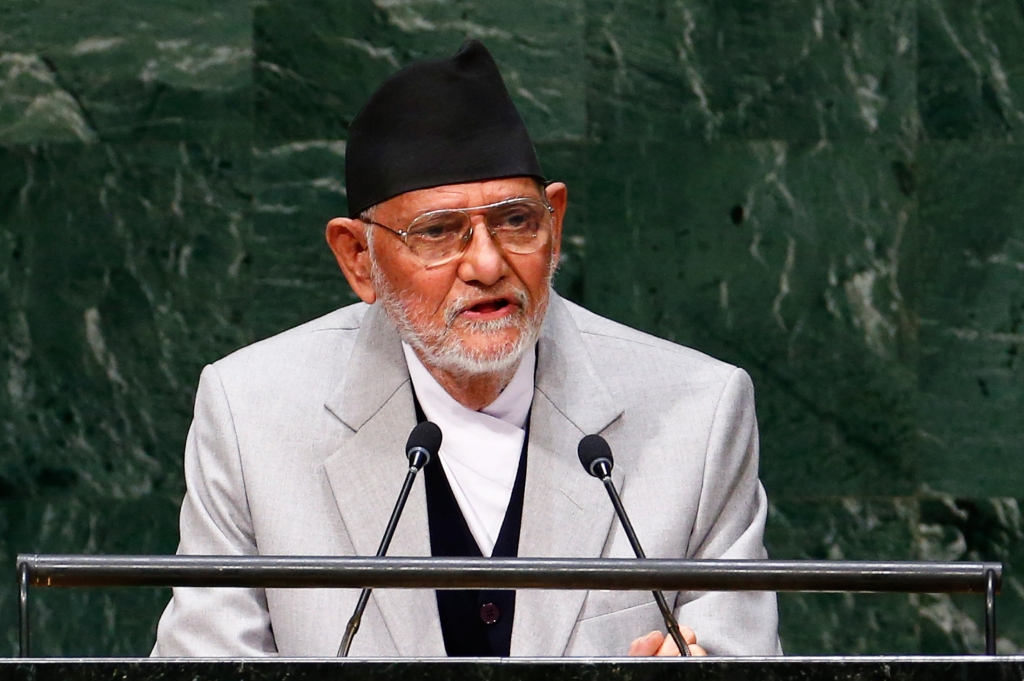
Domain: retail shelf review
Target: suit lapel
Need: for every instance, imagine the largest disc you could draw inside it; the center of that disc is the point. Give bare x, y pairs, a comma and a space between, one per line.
366, 474
569, 402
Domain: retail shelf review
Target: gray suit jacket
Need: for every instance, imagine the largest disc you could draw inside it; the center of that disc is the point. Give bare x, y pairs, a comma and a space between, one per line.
297, 448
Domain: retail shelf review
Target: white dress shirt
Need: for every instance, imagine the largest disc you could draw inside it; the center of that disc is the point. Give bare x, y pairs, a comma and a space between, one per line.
480, 450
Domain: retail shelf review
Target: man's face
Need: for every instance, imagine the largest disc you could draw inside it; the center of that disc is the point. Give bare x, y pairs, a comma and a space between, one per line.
479, 312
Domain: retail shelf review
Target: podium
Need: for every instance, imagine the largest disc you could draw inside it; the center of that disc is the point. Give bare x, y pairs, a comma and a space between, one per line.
515, 573
972, 668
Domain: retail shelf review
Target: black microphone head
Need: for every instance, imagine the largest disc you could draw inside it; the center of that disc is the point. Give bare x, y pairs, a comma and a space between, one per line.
594, 451
425, 438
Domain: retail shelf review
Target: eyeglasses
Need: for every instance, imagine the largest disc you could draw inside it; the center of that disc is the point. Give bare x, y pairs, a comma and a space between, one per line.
521, 226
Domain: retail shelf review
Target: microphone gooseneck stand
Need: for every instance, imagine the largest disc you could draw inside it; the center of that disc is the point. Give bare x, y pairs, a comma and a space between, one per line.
596, 457
424, 443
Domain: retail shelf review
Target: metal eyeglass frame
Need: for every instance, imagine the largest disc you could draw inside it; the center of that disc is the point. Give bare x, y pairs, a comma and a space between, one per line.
403, 234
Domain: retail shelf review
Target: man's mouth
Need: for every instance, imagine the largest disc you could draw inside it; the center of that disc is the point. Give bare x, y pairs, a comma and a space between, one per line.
491, 308
490, 305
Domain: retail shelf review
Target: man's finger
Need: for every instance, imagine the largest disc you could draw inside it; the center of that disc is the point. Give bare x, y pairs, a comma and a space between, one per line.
646, 645
697, 651
668, 648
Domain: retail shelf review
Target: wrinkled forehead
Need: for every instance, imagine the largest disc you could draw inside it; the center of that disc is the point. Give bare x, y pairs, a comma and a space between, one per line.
466, 195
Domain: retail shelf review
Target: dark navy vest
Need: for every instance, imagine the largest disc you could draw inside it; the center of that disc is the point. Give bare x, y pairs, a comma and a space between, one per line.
473, 622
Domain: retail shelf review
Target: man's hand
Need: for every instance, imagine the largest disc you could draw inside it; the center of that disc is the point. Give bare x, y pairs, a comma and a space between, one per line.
659, 645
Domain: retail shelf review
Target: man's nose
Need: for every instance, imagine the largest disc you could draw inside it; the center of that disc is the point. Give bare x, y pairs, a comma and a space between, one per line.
482, 261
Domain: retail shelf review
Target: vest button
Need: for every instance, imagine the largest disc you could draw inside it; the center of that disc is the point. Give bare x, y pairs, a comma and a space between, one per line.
489, 613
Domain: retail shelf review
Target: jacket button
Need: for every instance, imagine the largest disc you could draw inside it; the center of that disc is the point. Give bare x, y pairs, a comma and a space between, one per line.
489, 613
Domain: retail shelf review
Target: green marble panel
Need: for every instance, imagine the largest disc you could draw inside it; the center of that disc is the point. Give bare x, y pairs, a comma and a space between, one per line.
123, 271
927, 527
110, 70
971, 69
972, 529
846, 529
94, 622
798, 70
783, 259
969, 265
299, 187
317, 63
567, 162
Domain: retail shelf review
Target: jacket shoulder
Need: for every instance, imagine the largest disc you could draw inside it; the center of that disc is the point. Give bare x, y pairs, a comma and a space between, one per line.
297, 350
606, 338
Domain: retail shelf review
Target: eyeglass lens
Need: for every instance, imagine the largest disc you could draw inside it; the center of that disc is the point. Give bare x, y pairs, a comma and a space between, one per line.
520, 226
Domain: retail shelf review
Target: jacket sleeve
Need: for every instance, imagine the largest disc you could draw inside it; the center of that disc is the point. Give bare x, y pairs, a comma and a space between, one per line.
215, 520
730, 525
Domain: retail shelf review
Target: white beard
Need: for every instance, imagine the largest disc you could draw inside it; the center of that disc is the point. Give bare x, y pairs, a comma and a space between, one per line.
443, 349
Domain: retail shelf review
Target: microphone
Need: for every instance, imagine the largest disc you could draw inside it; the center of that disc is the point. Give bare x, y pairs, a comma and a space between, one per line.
596, 457
423, 444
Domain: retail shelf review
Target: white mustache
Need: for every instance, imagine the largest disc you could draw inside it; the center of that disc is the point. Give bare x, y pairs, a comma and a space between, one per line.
463, 303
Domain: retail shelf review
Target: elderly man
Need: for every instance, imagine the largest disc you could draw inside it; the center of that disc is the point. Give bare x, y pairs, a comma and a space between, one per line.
297, 443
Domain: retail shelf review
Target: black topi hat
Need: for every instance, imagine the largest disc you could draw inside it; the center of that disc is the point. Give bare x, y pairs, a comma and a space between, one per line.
437, 122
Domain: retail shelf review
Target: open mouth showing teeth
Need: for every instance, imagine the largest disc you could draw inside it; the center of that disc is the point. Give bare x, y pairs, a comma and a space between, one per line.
490, 306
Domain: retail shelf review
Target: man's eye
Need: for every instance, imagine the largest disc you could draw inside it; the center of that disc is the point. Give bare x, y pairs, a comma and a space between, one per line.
512, 216
517, 218
444, 229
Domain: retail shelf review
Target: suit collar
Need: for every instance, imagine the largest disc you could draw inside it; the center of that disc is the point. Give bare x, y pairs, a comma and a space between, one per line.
566, 375
366, 474
375, 371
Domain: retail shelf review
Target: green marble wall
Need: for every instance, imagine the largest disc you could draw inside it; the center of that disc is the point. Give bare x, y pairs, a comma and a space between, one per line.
826, 192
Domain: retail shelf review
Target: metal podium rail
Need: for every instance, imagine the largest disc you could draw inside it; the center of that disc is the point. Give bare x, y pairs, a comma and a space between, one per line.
508, 573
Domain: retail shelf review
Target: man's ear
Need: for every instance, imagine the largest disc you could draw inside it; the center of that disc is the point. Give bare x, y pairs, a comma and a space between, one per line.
347, 239
558, 195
